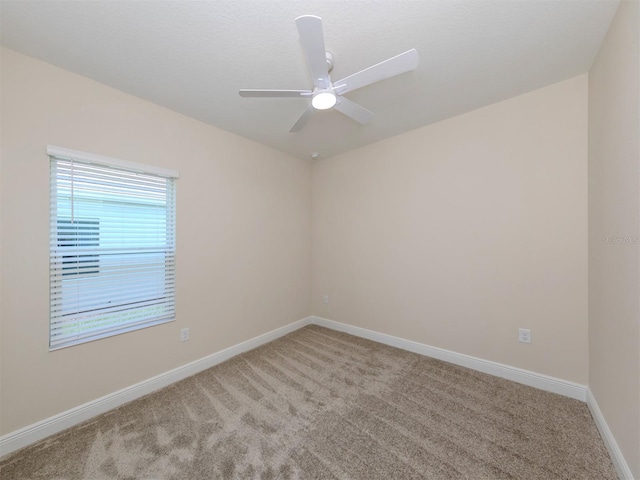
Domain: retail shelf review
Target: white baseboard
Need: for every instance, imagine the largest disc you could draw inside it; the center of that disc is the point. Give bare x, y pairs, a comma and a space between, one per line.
40, 430
526, 377
624, 472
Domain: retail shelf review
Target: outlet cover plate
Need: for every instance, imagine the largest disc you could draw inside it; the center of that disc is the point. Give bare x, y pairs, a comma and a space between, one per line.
524, 335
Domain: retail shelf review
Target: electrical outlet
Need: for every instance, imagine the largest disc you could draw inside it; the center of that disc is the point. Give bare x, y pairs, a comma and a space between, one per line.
184, 334
325, 298
524, 335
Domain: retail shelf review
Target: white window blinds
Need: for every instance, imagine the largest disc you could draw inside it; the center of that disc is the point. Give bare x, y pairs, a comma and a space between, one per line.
112, 250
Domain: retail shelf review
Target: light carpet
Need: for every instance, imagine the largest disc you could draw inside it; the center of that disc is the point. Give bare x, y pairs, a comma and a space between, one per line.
320, 404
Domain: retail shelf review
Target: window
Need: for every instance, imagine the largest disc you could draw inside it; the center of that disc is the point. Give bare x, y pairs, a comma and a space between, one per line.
112, 247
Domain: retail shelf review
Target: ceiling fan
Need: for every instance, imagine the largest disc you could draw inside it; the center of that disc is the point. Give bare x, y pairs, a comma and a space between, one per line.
327, 94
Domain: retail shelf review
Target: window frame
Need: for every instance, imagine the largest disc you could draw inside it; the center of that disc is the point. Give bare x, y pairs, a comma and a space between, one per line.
139, 318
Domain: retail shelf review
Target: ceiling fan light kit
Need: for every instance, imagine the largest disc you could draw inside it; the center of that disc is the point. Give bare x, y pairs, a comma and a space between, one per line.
327, 94
324, 99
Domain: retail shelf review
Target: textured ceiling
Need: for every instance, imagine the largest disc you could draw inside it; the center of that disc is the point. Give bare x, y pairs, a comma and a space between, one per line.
193, 56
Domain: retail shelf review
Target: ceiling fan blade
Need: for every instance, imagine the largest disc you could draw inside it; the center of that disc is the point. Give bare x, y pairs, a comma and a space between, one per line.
300, 123
312, 40
354, 111
275, 93
389, 68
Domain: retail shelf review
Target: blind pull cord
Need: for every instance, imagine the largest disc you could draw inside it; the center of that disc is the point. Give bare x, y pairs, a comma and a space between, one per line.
72, 201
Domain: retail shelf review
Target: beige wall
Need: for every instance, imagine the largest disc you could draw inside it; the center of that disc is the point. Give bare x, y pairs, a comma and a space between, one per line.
243, 237
458, 233
614, 212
